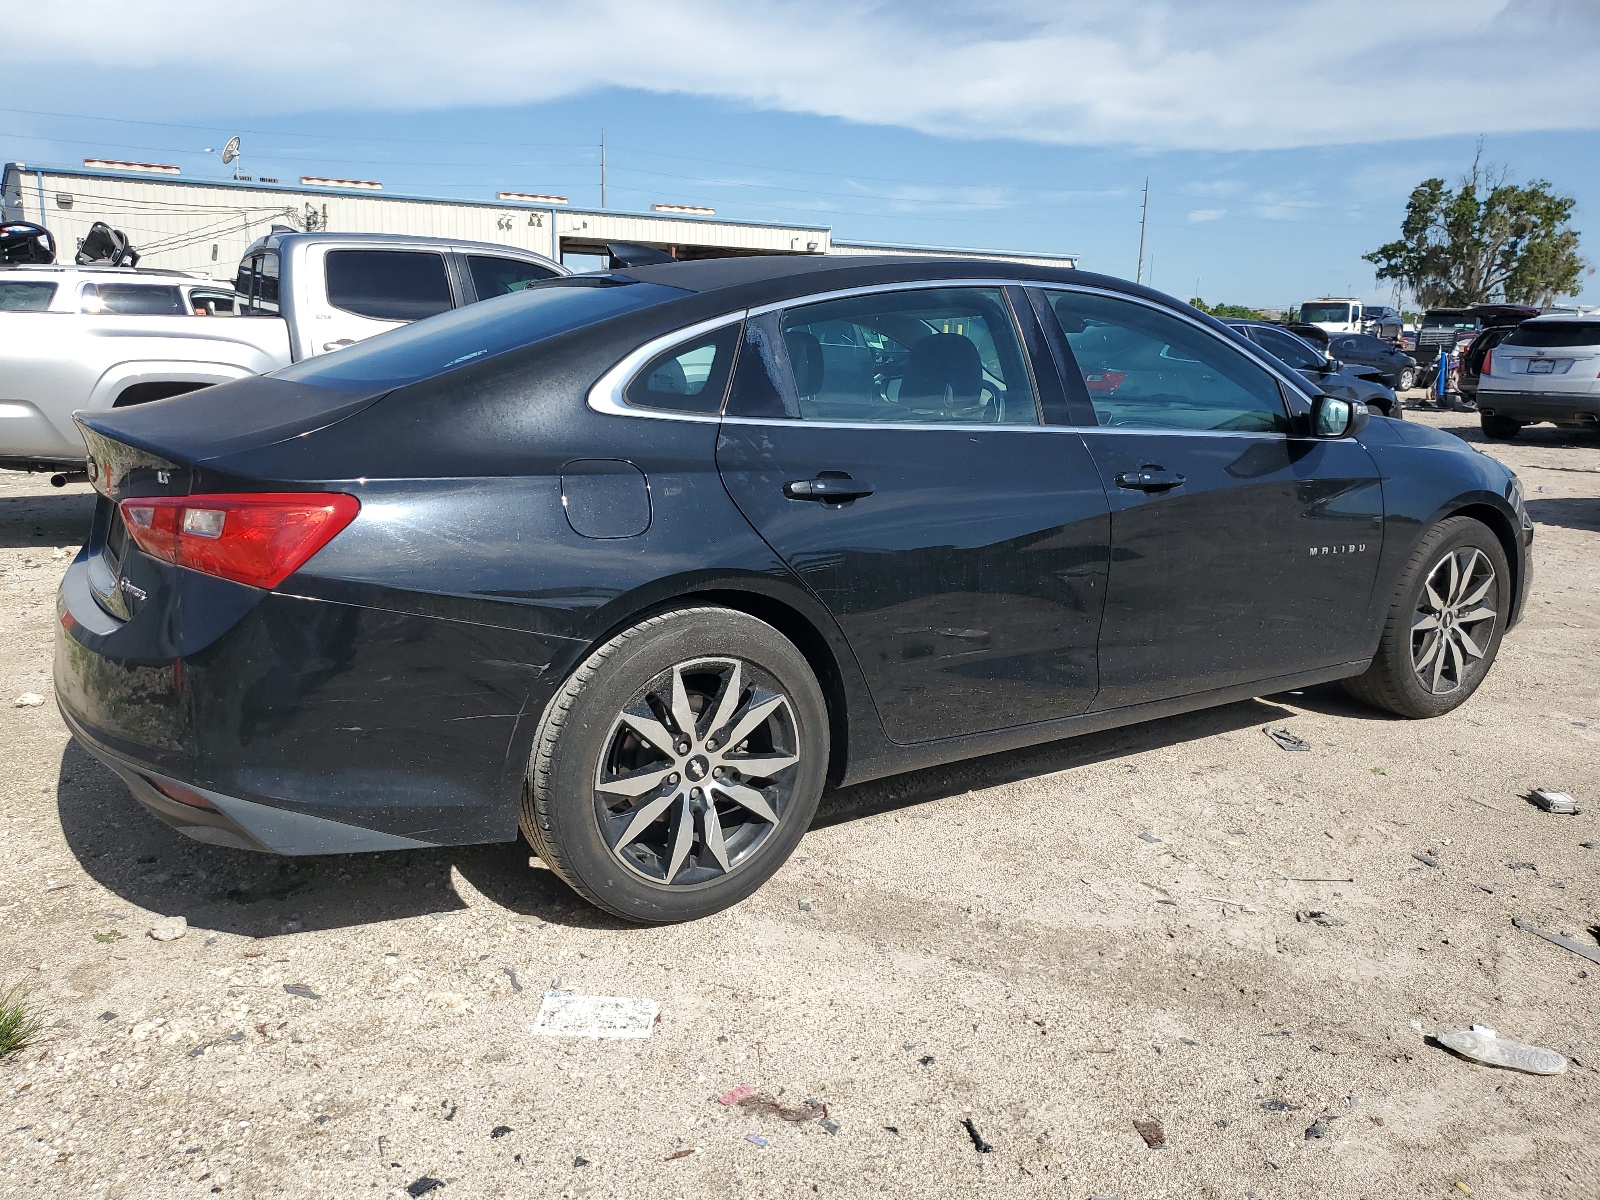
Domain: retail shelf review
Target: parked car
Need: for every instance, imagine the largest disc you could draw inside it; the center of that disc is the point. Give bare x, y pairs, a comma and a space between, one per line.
1452, 330
96, 338
1469, 369
1321, 369
1384, 323
1546, 369
636, 561
1397, 368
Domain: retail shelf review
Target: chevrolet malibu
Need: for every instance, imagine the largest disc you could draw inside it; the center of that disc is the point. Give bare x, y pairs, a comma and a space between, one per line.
636, 563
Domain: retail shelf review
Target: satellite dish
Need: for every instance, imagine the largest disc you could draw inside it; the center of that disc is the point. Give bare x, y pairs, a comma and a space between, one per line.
231, 150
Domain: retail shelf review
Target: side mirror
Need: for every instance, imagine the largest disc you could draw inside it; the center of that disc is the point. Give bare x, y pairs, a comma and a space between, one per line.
1335, 417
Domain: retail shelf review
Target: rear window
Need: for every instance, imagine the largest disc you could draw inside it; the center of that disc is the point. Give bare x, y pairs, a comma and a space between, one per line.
1556, 333
493, 276
388, 285
477, 332
132, 300
1448, 320
25, 295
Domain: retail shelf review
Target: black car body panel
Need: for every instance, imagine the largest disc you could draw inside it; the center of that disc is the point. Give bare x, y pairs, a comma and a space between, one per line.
998, 588
1363, 350
1323, 371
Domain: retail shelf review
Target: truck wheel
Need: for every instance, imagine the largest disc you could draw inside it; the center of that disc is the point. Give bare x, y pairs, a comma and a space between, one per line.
1444, 627
679, 766
1500, 429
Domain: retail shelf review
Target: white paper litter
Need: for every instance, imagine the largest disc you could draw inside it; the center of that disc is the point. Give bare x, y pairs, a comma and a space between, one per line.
563, 1015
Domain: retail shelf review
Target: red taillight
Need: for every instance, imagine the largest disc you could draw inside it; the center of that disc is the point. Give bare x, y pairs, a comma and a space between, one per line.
1488, 363
256, 539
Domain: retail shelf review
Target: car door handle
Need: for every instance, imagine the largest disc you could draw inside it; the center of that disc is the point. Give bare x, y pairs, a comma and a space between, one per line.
342, 342
830, 489
1150, 478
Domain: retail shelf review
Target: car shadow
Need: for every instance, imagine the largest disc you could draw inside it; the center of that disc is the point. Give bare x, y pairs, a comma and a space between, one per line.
1577, 513
1332, 700
145, 863
61, 518
938, 783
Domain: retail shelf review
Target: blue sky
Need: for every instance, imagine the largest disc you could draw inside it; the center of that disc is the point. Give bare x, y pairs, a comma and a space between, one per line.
1280, 139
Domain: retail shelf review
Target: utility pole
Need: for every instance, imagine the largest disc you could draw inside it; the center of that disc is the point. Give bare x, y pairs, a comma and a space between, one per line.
1144, 213
602, 168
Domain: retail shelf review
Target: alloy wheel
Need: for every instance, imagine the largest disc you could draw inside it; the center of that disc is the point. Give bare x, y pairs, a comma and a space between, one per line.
1407, 380
697, 771
1453, 625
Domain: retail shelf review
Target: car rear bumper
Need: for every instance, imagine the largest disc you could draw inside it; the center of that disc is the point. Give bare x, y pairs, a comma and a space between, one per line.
303, 726
1564, 409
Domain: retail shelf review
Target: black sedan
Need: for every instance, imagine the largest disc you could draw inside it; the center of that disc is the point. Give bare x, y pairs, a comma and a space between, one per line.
637, 562
1399, 368
1324, 372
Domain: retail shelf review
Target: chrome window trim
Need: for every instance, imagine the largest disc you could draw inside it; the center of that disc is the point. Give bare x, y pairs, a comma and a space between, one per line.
606, 396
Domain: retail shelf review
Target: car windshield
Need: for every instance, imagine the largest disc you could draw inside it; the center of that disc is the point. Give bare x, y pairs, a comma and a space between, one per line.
479, 331
25, 295
1556, 333
1311, 314
1448, 320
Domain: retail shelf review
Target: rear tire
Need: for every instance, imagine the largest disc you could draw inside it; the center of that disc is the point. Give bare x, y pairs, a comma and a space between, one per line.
1444, 627
1499, 429
679, 765
1407, 380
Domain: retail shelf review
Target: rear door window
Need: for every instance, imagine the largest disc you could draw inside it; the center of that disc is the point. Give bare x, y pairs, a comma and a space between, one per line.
25, 295
132, 300
495, 276
388, 285
1285, 347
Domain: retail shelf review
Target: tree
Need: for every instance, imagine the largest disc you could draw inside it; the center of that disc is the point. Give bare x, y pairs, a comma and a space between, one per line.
1488, 240
1237, 311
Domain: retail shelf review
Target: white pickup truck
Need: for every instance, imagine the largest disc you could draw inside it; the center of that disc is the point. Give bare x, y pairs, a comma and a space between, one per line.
91, 338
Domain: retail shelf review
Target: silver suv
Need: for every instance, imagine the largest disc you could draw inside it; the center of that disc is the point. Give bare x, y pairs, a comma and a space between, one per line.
1547, 370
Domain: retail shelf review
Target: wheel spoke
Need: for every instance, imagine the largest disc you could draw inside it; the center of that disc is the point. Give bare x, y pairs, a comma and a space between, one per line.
1482, 613
1433, 648
1423, 621
1438, 662
713, 835
748, 797
1456, 659
1437, 604
762, 766
1465, 579
682, 714
636, 784
728, 702
682, 840
652, 731
750, 720
1467, 644
1478, 593
643, 817
1455, 578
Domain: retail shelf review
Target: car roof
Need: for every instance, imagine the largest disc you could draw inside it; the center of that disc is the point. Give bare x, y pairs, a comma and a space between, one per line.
281, 238
1563, 318
99, 269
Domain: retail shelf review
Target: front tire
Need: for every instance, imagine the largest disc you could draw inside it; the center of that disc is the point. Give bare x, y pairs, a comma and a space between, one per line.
1407, 380
1444, 628
679, 766
1500, 429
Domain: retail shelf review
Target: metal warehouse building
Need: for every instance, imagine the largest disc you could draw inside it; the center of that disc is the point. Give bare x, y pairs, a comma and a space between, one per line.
204, 226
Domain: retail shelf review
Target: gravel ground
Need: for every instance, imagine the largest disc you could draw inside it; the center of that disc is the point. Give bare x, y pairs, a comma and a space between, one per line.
1051, 944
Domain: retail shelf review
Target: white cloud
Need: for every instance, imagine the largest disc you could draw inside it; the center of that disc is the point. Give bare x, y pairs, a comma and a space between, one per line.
1207, 214
1225, 74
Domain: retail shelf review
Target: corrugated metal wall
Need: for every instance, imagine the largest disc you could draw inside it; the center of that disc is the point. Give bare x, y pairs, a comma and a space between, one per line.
1067, 261
205, 229
589, 226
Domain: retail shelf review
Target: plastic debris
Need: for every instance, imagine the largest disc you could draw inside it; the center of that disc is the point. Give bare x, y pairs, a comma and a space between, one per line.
170, 929
1592, 953
1482, 1044
756, 1140
304, 992
1425, 857
499, 1131
1147, 836
830, 1126
1315, 916
1152, 1132
424, 1185
684, 1153
563, 1015
580, 1161
978, 1144
28, 700
733, 1095
516, 983
1553, 801
1285, 739
1280, 1106
1320, 1128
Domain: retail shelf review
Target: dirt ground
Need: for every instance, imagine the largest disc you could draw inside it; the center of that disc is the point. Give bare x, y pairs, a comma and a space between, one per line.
1051, 944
